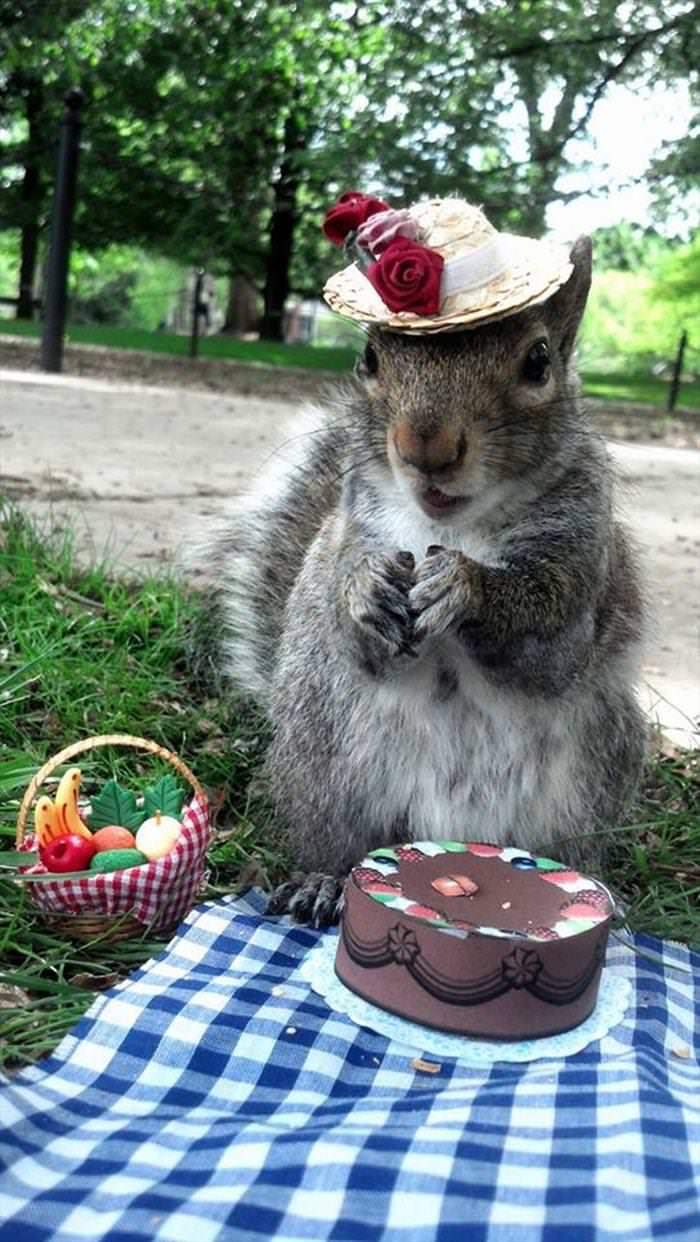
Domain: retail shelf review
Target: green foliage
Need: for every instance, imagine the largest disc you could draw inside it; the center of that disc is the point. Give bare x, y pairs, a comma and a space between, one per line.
676, 282
9, 263
123, 285
109, 303
633, 319
623, 321
291, 103
626, 247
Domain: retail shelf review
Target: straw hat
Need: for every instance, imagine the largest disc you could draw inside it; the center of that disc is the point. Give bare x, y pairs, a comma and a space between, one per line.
484, 275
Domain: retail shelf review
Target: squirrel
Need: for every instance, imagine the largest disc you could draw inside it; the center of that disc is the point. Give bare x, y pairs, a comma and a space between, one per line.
431, 599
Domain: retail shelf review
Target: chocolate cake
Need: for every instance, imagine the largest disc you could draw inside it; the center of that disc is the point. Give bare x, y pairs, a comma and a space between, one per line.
475, 939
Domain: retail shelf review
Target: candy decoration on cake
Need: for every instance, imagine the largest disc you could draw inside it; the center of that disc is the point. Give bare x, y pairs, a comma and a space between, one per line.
454, 885
475, 938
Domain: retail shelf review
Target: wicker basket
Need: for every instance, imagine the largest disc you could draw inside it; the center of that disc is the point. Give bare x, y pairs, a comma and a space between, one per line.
173, 884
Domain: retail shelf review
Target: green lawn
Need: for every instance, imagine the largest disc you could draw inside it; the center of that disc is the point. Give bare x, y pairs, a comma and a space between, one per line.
82, 652
616, 385
642, 388
262, 353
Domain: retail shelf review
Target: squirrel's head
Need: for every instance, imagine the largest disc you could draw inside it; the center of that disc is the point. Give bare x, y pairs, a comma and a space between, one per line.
456, 411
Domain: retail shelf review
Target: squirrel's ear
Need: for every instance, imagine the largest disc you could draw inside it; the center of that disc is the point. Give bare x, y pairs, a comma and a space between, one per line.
567, 305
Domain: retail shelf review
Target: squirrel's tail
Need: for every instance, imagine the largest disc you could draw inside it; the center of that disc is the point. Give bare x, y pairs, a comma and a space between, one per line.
251, 556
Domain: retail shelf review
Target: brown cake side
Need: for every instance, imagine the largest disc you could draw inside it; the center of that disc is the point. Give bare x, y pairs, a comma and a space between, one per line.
473, 939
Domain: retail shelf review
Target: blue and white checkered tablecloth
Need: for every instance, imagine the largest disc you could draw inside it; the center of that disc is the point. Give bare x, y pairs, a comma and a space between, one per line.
214, 1097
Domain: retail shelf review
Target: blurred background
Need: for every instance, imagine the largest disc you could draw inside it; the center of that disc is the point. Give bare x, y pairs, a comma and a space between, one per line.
216, 134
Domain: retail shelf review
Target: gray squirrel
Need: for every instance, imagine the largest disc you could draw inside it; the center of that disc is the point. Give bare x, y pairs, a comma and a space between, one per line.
429, 595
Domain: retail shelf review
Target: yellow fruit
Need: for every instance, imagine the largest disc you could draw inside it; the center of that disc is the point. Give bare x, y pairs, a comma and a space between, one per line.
46, 825
67, 804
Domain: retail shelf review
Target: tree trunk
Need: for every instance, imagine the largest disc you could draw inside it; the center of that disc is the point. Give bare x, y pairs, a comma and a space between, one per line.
241, 307
31, 199
282, 232
540, 192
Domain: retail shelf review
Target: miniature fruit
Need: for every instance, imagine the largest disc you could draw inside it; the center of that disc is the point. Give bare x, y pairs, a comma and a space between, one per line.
117, 860
113, 837
67, 804
46, 825
157, 836
67, 853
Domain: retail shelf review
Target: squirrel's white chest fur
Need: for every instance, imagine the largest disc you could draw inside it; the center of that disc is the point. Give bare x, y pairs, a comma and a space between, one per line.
455, 757
444, 749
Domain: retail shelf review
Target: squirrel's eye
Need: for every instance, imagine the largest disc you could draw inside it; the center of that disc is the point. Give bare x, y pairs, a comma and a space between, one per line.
537, 366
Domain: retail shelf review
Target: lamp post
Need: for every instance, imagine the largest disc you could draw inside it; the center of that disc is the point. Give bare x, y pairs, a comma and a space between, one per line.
61, 231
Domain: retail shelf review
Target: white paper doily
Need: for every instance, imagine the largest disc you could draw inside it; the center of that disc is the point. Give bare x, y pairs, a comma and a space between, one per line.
317, 969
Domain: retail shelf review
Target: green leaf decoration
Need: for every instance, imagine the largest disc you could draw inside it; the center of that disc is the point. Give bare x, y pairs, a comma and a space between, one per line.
389, 854
165, 796
114, 805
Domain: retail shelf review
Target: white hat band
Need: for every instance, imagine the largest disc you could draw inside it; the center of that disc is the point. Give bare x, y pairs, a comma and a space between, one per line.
471, 271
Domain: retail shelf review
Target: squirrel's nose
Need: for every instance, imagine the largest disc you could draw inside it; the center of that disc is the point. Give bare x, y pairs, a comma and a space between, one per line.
430, 452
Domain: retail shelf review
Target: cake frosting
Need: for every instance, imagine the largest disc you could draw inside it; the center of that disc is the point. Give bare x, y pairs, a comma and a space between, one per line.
475, 938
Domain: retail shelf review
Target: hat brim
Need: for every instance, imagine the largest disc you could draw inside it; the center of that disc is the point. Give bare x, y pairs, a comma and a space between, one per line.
535, 270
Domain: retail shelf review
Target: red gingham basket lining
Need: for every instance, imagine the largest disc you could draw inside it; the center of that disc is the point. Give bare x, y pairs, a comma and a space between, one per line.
158, 893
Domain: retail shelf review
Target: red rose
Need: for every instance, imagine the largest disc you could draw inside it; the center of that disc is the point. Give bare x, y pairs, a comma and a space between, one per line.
351, 210
407, 277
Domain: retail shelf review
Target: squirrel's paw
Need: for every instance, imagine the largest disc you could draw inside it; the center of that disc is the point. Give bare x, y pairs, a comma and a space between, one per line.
443, 594
316, 899
376, 594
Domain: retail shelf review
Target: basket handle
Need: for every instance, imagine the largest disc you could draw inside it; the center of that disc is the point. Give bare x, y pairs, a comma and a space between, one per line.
91, 743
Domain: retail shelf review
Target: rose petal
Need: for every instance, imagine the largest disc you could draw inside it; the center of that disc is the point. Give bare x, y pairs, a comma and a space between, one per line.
350, 211
408, 277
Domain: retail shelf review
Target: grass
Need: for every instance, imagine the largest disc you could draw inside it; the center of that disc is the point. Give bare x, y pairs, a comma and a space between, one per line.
82, 652
617, 386
260, 353
641, 388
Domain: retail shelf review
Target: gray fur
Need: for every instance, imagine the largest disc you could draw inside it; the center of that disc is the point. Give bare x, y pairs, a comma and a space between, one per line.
467, 675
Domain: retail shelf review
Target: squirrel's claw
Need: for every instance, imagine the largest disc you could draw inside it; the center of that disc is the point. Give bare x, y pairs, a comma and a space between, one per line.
316, 899
441, 593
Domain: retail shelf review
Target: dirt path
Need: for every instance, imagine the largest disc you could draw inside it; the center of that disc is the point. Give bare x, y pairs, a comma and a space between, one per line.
137, 469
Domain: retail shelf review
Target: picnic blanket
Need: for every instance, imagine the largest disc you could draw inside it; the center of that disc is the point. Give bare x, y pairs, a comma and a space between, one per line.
214, 1096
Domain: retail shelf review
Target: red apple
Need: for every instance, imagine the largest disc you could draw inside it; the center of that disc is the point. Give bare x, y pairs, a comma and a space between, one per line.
67, 853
